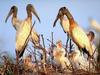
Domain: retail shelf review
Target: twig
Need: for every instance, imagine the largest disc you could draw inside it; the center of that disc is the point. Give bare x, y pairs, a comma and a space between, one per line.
51, 52
36, 60
73, 71
51, 42
44, 51
44, 54
33, 52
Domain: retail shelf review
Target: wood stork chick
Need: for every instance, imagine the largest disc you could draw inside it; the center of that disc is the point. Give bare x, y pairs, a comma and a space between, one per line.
59, 55
75, 32
25, 28
28, 65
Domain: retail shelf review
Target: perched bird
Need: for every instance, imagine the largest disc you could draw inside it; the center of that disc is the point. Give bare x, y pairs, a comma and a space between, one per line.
22, 35
27, 63
59, 55
76, 33
15, 21
78, 60
17, 24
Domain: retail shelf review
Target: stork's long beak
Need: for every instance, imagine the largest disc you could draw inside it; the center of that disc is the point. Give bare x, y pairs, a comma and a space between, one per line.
9, 14
35, 13
59, 16
54, 24
62, 11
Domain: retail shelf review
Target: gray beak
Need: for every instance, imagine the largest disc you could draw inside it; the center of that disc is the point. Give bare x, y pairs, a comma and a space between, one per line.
30, 8
9, 14
34, 12
59, 16
54, 24
62, 11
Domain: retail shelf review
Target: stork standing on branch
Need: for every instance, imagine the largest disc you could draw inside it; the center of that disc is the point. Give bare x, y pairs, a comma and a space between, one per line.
76, 33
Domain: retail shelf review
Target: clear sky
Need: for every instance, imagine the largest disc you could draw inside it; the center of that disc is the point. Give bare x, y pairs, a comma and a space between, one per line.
47, 10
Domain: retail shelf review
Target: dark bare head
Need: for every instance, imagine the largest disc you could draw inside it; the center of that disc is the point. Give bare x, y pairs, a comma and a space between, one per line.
13, 11
62, 11
30, 9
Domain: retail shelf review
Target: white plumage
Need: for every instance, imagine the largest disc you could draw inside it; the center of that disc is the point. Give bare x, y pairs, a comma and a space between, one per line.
23, 34
15, 21
59, 57
35, 37
94, 24
23, 27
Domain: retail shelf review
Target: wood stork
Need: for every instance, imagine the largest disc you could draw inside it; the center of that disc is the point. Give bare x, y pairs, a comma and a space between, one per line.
78, 60
59, 55
75, 32
25, 27
17, 24
15, 21
28, 65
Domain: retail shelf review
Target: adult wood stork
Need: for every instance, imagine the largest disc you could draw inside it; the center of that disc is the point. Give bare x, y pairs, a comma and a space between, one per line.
75, 32
15, 21
24, 29
17, 24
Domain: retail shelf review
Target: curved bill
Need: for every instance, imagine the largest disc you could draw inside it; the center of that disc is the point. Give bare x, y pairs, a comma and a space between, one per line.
55, 21
34, 12
9, 14
58, 16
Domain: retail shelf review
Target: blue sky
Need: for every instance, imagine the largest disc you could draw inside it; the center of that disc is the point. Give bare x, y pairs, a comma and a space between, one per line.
47, 10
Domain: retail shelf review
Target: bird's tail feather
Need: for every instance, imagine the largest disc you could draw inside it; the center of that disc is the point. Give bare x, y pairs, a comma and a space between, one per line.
85, 51
21, 53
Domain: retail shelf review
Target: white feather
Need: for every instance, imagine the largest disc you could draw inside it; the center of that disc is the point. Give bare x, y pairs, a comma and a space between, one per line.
94, 24
22, 34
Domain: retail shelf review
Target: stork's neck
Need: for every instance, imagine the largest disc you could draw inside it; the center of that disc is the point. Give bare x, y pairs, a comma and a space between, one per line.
29, 15
15, 15
72, 24
14, 18
29, 20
